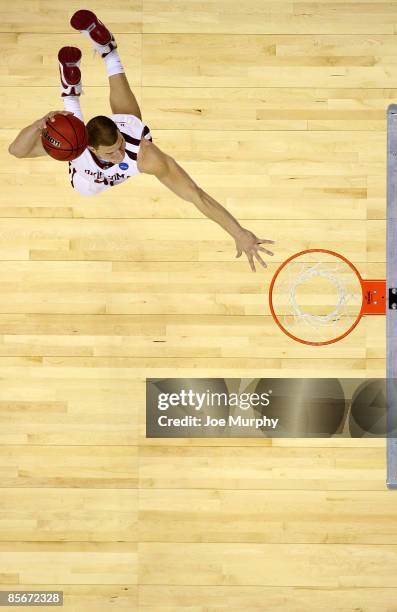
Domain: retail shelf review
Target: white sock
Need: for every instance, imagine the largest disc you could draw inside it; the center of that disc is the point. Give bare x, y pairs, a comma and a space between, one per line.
72, 104
113, 63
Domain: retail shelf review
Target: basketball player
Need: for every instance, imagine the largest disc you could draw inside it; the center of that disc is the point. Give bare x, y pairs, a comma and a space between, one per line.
121, 146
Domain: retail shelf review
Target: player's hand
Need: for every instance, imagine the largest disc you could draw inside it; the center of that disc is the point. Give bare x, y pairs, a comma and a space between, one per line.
248, 243
41, 123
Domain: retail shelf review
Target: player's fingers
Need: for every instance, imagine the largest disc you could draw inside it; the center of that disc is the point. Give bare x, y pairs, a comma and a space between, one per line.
251, 260
259, 258
265, 251
51, 115
239, 253
266, 242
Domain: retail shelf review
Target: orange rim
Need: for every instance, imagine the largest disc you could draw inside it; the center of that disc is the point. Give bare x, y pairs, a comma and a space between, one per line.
275, 317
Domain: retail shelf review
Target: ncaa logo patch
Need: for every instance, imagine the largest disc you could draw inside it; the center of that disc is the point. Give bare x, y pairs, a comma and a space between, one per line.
123, 166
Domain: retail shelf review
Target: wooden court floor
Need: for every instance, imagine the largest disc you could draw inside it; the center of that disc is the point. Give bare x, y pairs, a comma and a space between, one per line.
277, 109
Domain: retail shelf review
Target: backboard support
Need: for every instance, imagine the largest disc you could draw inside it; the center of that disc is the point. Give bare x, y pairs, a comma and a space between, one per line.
391, 296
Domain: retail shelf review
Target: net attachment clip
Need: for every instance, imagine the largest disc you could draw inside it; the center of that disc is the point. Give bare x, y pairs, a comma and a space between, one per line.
393, 298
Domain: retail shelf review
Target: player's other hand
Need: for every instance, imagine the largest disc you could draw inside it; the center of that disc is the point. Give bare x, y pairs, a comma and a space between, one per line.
41, 123
248, 243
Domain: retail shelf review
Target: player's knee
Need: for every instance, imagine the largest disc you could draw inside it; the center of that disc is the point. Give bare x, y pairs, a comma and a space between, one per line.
126, 110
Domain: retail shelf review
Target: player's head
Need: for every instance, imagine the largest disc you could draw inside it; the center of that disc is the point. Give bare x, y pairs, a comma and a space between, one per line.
105, 139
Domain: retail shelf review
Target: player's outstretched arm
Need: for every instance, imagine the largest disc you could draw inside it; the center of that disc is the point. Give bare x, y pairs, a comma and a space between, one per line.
28, 141
153, 161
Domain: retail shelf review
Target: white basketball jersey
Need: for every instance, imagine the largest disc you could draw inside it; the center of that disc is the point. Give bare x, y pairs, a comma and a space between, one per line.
90, 175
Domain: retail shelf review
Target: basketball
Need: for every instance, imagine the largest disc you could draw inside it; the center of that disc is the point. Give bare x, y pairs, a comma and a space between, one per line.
65, 138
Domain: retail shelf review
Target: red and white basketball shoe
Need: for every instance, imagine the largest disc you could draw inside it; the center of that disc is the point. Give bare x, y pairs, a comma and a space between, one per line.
69, 68
88, 24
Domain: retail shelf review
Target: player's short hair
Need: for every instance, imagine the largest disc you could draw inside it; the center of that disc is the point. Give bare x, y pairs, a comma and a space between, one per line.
102, 131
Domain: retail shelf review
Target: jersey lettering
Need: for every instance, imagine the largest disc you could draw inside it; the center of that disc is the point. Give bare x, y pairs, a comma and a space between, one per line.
99, 177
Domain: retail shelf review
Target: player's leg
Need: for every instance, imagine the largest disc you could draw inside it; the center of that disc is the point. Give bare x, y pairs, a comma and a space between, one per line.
122, 100
71, 87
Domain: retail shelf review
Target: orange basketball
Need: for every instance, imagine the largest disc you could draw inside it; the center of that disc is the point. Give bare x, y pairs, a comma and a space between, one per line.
65, 138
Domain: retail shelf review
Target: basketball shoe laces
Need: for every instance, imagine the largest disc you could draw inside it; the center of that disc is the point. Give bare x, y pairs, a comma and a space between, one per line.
89, 30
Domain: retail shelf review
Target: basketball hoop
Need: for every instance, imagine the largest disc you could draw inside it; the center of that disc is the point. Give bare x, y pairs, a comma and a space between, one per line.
318, 297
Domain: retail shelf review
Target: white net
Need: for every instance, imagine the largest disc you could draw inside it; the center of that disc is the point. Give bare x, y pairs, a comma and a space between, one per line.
317, 297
